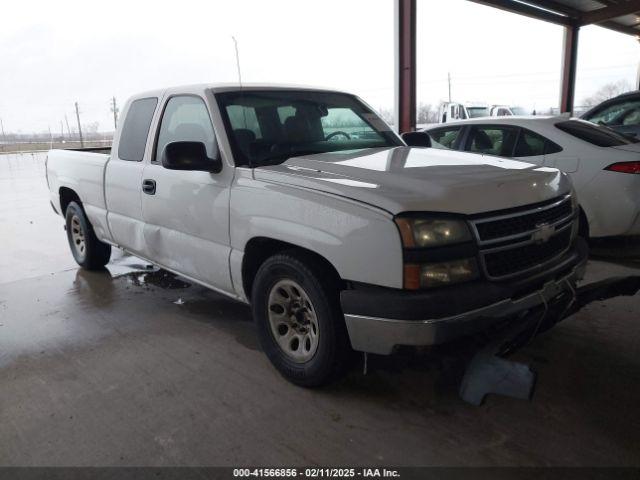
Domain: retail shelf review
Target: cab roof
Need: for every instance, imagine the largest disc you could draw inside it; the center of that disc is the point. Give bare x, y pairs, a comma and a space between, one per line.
229, 87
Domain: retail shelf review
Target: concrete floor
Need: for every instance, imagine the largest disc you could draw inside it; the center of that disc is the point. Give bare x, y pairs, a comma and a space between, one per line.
127, 367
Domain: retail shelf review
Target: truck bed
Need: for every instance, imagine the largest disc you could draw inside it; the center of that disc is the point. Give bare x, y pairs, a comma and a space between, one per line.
106, 150
81, 171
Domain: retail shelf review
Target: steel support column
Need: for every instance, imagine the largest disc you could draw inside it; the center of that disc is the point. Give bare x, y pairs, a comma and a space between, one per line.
405, 69
569, 62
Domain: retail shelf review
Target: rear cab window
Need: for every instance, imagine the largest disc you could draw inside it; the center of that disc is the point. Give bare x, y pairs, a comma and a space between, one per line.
135, 129
594, 134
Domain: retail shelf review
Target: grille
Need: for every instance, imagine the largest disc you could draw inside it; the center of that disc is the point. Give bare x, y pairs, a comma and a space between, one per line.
507, 262
512, 242
527, 222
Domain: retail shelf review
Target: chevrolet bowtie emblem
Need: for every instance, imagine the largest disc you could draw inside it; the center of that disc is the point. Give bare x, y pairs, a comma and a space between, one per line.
543, 233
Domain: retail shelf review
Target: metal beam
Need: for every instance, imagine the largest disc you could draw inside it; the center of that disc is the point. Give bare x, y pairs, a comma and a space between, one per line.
556, 7
528, 10
607, 13
405, 57
560, 14
569, 62
627, 30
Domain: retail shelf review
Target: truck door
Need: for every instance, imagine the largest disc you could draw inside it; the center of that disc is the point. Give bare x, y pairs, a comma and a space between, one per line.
122, 180
186, 213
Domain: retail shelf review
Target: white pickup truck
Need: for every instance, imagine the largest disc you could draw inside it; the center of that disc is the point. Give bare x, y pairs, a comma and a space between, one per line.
304, 203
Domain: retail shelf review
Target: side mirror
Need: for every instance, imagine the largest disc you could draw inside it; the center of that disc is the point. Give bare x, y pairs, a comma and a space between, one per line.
417, 139
189, 156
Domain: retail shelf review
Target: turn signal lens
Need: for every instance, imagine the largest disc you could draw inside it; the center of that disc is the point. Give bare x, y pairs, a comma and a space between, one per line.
624, 167
412, 277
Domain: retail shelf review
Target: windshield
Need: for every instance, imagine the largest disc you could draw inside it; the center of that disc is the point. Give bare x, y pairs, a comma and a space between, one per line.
621, 113
267, 127
475, 112
519, 111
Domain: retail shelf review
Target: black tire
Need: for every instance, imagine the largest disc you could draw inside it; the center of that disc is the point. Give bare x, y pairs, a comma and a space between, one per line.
89, 252
320, 286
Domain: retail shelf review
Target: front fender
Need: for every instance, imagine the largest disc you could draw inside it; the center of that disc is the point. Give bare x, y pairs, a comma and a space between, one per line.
361, 242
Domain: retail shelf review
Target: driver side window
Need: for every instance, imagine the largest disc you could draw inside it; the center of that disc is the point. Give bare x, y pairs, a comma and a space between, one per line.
186, 119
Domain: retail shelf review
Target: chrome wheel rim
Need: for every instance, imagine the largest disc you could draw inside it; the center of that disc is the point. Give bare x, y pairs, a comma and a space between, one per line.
77, 237
293, 321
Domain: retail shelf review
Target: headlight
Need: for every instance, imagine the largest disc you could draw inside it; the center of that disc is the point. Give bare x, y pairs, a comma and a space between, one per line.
425, 232
419, 234
429, 275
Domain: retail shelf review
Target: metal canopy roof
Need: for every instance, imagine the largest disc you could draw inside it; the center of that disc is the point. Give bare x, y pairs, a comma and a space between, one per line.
618, 15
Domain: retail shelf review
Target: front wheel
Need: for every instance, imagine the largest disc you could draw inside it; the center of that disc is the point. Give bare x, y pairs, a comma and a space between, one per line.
300, 324
89, 252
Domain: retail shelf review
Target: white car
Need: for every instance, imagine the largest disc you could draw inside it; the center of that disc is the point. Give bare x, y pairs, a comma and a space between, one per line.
603, 165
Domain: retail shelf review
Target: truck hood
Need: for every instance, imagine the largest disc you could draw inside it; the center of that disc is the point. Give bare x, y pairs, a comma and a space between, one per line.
402, 179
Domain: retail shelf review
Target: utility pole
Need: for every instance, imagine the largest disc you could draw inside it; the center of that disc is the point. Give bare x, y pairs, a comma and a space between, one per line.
68, 129
449, 81
61, 131
50, 139
79, 127
114, 109
4, 137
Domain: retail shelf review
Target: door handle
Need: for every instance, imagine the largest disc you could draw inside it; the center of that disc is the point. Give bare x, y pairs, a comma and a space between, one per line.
149, 186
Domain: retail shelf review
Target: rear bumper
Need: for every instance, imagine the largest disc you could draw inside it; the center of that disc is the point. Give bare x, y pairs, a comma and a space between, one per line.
380, 319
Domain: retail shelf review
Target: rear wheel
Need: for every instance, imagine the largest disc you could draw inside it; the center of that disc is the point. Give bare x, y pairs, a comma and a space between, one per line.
87, 250
301, 328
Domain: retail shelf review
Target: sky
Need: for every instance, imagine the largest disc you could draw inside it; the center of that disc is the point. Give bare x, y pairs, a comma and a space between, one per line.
53, 54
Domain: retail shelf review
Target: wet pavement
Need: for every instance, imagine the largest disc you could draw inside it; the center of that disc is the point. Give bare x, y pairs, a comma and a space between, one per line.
133, 366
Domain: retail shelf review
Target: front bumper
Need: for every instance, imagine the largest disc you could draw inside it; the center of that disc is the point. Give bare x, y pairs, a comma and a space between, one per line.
380, 319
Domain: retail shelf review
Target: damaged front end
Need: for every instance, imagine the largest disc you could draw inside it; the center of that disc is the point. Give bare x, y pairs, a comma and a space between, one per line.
489, 371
